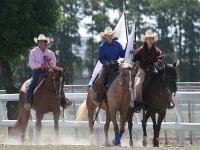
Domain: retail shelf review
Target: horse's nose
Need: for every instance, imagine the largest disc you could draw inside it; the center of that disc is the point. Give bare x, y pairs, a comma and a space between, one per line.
175, 88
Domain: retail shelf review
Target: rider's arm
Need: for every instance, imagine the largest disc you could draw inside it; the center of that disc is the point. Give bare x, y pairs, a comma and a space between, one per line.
102, 57
137, 54
159, 57
34, 64
52, 59
122, 51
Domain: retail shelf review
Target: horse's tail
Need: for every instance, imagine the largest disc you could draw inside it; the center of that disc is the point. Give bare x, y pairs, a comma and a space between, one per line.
82, 110
16, 129
17, 126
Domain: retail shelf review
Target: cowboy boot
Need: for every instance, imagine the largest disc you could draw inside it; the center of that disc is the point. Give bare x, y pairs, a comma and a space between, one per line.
27, 104
171, 104
100, 94
137, 106
100, 89
65, 102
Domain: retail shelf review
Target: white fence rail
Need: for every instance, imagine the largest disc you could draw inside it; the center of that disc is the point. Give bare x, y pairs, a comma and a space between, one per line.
180, 125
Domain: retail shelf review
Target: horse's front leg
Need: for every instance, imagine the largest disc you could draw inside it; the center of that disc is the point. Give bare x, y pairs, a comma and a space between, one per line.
106, 128
116, 141
38, 126
56, 116
25, 118
157, 127
130, 125
146, 115
123, 118
91, 111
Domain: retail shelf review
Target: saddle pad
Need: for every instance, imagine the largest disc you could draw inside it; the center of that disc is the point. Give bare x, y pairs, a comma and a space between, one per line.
27, 82
113, 72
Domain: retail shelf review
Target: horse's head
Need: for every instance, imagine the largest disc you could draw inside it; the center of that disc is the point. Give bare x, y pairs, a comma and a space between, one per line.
127, 73
55, 80
170, 77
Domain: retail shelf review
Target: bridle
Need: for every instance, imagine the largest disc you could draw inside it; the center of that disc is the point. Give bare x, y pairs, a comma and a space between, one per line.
129, 86
58, 82
169, 81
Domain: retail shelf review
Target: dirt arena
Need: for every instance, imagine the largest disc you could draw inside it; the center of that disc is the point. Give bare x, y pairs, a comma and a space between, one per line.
83, 147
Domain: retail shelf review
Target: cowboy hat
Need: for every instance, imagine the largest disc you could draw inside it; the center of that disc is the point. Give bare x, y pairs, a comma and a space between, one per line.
42, 37
149, 34
107, 31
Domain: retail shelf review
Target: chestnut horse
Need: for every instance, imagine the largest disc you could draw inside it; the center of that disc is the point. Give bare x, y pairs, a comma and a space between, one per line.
118, 99
158, 89
46, 99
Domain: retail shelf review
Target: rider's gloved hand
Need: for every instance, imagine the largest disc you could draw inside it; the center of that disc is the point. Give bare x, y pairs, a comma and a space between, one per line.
44, 66
47, 58
108, 63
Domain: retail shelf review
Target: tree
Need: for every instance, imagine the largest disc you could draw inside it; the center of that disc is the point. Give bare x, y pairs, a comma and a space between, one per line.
179, 30
20, 21
98, 12
66, 35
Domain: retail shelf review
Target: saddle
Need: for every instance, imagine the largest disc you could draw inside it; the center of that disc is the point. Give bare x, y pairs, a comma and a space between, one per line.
40, 81
108, 75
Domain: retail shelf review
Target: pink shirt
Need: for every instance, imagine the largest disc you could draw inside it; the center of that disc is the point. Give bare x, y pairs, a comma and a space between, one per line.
36, 57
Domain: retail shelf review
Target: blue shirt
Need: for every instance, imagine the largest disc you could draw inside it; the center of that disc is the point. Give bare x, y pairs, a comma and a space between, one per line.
110, 51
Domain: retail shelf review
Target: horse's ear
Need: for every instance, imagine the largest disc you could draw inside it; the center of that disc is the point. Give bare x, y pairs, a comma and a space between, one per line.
65, 69
176, 63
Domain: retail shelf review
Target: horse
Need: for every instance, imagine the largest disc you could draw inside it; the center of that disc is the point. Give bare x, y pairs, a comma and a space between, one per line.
157, 91
118, 99
46, 99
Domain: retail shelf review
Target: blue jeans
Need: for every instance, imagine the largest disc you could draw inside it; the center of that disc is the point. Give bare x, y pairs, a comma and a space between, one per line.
35, 75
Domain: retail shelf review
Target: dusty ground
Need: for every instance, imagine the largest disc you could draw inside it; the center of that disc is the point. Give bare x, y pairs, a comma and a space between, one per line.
83, 147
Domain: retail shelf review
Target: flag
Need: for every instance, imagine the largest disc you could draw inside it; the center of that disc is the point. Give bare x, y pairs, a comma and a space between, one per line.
129, 54
121, 31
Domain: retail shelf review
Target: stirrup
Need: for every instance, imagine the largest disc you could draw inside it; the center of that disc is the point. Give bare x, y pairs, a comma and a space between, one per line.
27, 106
99, 97
137, 106
66, 102
171, 105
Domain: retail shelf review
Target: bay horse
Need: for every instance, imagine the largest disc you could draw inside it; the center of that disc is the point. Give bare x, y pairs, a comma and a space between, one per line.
157, 91
46, 99
118, 100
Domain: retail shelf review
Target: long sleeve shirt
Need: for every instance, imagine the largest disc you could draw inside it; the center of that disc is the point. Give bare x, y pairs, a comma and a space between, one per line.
110, 51
36, 58
147, 57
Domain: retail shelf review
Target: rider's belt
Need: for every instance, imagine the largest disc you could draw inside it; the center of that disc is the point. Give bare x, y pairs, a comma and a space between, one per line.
39, 70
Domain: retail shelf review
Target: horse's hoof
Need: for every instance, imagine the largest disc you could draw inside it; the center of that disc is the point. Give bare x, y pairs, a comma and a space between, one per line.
144, 143
155, 143
116, 144
131, 143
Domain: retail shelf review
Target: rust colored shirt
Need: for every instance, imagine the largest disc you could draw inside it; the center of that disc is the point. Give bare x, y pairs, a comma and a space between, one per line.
147, 57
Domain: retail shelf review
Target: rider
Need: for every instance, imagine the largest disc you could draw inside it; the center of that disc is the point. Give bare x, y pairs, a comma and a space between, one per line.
148, 55
110, 50
37, 58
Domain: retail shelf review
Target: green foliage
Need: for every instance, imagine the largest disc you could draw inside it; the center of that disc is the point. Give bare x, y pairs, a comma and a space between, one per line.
21, 20
92, 54
66, 35
178, 23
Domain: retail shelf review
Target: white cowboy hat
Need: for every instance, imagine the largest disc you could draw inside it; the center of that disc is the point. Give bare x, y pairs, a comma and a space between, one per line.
107, 31
149, 34
41, 37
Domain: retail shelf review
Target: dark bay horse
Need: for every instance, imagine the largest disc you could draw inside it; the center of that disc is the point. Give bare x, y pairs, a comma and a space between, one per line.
46, 99
158, 89
118, 100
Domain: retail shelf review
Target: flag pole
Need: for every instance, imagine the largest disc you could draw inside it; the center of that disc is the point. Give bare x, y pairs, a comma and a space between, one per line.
126, 23
134, 43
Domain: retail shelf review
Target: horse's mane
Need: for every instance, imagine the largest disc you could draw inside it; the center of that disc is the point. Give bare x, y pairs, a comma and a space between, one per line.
159, 86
